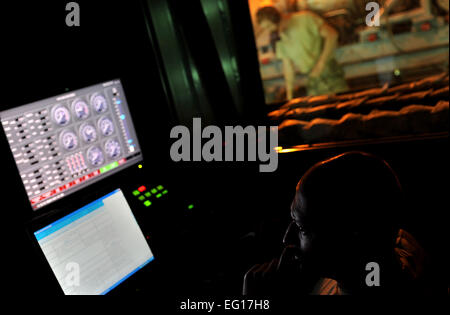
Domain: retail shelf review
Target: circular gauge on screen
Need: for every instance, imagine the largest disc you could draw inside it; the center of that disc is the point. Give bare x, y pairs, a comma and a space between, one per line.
95, 156
106, 126
68, 140
80, 108
60, 115
88, 133
112, 148
99, 103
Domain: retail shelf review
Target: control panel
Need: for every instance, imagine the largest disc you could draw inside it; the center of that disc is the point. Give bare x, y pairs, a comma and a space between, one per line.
67, 142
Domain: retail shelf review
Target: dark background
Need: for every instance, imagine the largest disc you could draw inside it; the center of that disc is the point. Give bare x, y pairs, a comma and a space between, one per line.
240, 214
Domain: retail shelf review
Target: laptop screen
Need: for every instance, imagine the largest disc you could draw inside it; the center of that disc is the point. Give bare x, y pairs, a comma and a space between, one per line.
95, 248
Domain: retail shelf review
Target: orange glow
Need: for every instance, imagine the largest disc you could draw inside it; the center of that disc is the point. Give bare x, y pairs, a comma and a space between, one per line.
289, 150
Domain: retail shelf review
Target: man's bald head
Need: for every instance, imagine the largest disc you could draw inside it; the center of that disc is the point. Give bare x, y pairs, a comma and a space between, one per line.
354, 192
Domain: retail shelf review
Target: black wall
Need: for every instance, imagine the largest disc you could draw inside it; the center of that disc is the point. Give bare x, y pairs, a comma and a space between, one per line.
42, 57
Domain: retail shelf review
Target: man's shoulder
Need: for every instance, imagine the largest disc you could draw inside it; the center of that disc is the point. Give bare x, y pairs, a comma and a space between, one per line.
304, 16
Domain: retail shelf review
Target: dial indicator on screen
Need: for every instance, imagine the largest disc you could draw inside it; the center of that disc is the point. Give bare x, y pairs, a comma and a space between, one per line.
60, 115
88, 133
95, 156
99, 103
68, 140
106, 126
112, 148
80, 108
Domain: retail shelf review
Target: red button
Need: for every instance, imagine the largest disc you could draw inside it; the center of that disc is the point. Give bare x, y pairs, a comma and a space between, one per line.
142, 188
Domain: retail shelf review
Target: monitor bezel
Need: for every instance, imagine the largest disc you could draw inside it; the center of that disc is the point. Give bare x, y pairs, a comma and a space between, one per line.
83, 191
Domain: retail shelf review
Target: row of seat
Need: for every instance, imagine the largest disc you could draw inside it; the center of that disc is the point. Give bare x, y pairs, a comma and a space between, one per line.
419, 107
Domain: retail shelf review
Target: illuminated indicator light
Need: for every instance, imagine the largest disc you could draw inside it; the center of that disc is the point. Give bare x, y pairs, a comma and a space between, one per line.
142, 188
109, 167
136, 192
190, 207
160, 187
372, 37
122, 116
425, 26
130, 140
397, 72
158, 195
118, 102
165, 192
147, 203
140, 166
147, 194
265, 61
154, 191
142, 198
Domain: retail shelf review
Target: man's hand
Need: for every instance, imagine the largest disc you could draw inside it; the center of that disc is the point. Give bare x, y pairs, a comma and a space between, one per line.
330, 38
260, 279
280, 277
317, 70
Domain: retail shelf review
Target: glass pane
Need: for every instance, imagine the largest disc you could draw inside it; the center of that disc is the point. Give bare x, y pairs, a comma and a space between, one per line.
350, 68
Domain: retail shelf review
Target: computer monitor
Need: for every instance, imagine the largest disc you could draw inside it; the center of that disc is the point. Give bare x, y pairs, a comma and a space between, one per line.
95, 248
64, 143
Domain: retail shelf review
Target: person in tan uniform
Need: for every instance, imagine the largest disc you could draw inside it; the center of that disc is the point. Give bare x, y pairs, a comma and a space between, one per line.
306, 43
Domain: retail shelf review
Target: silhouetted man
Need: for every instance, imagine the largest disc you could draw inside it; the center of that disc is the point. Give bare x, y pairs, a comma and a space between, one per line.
307, 43
344, 237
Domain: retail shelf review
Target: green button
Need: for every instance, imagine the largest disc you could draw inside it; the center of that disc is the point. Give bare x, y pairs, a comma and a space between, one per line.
136, 192
165, 192
141, 198
154, 191
147, 194
158, 195
160, 187
147, 203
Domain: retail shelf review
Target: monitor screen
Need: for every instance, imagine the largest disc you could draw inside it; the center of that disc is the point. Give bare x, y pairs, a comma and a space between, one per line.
67, 142
95, 248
